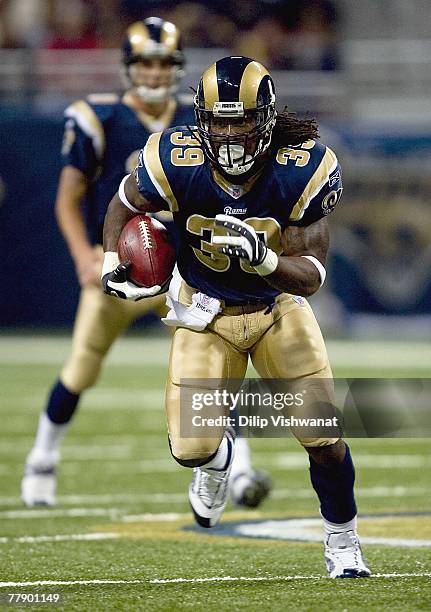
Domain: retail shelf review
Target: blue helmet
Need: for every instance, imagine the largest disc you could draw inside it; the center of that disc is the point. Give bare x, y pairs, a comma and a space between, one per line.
154, 38
235, 113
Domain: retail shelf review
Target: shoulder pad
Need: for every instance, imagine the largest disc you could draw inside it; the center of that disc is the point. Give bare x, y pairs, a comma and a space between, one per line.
90, 121
167, 161
323, 163
318, 186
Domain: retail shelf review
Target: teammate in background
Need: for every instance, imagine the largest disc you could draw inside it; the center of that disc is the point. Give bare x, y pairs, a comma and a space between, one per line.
103, 136
248, 270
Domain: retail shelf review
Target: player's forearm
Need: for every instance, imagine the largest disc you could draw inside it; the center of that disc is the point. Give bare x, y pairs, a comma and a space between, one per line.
295, 275
300, 269
116, 218
71, 190
73, 228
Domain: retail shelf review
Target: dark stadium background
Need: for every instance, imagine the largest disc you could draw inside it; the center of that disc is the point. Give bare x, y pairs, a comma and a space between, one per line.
363, 70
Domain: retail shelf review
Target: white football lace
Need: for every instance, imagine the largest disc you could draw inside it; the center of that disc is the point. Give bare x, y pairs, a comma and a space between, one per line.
146, 235
210, 486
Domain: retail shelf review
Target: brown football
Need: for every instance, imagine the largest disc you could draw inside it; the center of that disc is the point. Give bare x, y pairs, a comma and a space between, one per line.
146, 244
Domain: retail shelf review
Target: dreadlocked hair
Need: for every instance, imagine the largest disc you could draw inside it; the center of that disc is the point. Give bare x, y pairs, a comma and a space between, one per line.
289, 130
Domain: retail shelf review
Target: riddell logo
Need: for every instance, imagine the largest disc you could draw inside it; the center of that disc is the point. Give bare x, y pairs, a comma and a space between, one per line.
230, 210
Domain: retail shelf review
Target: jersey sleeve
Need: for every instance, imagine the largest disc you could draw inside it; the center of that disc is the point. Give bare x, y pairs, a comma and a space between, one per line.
84, 139
151, 177
321, 193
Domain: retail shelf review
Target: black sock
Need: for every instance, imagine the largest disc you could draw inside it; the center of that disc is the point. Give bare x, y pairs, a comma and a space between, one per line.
334, 487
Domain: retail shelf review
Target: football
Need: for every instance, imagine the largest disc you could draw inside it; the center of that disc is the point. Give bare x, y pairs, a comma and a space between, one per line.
146, 244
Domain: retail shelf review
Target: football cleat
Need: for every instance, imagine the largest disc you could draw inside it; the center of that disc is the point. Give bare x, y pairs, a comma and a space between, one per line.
250, 489
39, 482
343, 556
208, 491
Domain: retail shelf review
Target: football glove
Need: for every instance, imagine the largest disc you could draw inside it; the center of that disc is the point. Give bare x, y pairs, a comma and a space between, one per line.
116, 283
243, 242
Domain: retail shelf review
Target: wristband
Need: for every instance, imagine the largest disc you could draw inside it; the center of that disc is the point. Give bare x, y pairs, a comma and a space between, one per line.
110, 262
269, 263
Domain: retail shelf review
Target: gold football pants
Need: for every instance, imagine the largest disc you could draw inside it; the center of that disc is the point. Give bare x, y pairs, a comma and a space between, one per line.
285, 343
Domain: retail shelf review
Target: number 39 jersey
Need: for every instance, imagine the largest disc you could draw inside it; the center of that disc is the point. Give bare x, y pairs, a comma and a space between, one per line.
298, 186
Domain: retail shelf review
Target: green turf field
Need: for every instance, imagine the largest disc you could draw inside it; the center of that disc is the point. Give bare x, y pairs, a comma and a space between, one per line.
122, 536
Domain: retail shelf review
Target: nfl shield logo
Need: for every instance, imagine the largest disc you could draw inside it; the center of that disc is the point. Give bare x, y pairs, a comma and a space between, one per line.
235, 191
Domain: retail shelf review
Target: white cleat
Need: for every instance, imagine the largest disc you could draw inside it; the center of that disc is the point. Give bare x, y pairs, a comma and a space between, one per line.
250, 489
343, 556
208, 491
39, 481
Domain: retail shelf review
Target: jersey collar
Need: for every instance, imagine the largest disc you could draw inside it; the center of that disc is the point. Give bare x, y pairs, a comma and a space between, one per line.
235, 190
153, 124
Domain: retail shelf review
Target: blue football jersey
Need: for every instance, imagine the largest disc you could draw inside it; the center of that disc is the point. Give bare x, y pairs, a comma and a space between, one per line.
298, 186
102, 139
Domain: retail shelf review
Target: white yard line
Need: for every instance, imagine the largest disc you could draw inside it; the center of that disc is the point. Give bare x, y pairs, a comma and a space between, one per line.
118, 498
196, 580
141, 350
60, 513
112, 513
124, 464
163, 517
169, 498
377, 491
67, 537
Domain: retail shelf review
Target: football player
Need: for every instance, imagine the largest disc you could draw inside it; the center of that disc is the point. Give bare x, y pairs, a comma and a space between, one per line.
103, 136
249, 192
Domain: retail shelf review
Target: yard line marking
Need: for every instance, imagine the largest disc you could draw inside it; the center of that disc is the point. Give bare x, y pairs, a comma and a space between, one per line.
298, 460
273, 578
69, 582
199, 580
71, 465
67, 537
129, 466
163, 517
377, 491
118, 498
113, 513
61, 513
169, 498
128, 351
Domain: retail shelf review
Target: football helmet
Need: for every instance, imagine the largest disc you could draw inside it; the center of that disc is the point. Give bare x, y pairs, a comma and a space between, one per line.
235, 113
153, 39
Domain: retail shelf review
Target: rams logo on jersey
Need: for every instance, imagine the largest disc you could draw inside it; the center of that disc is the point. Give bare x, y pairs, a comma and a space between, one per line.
331, 200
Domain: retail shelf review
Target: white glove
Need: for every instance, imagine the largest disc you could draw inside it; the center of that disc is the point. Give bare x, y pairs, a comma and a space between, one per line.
115, 281
243, 242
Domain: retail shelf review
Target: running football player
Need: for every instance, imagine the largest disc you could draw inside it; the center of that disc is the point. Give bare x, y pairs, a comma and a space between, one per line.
249, 192
103, 136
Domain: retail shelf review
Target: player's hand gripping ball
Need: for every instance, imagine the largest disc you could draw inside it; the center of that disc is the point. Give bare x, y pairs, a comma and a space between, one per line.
145, 244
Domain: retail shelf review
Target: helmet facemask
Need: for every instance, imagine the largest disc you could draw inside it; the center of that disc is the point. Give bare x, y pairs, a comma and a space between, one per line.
153, 95
234, 137
148, 42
